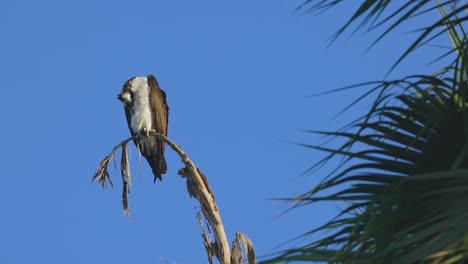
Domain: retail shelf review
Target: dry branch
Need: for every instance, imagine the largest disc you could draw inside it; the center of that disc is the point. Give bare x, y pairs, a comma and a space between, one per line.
197, 186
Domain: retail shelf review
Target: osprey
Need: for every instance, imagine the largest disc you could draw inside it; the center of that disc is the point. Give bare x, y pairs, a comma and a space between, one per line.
146, 109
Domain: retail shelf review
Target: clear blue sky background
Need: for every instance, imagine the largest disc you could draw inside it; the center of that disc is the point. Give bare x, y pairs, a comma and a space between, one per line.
237, 75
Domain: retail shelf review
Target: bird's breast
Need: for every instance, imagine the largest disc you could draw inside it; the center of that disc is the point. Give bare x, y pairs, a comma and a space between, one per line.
141, 117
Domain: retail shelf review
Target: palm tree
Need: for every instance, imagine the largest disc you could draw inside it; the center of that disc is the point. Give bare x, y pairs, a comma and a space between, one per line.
404, 178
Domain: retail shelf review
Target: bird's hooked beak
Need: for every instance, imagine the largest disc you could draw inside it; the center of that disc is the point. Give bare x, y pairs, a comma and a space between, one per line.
125, 98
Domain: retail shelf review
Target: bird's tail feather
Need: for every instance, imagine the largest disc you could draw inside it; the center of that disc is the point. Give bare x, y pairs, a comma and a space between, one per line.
158, 162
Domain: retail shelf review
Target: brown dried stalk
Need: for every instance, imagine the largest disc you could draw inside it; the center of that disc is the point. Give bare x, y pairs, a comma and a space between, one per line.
126, 178
197, 186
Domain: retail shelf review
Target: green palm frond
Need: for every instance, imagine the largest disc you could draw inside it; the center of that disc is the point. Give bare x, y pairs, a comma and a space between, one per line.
407, 190
404, 171
389, 15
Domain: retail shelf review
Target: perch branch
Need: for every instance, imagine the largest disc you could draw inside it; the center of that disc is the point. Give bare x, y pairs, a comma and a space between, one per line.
197, 186
206, 199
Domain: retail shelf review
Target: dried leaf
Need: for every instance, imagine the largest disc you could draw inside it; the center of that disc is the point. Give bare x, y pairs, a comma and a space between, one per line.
125, 167
115, 163
126, 209
210, 250
125, 172
242, 247
101, 174
205, 182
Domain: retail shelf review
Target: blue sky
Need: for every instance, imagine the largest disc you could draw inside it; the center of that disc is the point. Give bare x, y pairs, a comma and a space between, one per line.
237, 76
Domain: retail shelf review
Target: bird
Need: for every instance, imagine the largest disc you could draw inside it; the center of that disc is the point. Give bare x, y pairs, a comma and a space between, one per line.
146, 109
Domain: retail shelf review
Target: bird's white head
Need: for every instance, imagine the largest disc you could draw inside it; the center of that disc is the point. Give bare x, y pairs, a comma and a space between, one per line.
133, 87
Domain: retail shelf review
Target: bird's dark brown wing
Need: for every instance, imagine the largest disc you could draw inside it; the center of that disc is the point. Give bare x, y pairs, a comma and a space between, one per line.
159, 113
160, 110
166, 108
